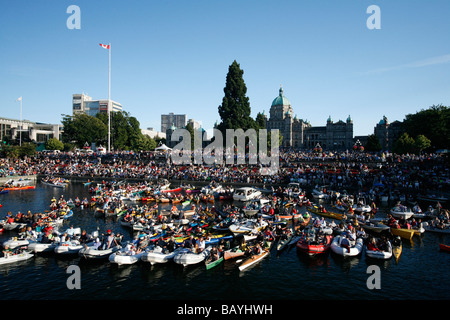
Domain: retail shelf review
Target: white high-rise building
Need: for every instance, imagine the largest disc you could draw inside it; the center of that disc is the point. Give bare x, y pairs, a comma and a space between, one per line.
82, 103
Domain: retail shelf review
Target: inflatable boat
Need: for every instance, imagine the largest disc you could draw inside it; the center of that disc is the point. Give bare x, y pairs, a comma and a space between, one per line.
354, 249
157, 255
186, 257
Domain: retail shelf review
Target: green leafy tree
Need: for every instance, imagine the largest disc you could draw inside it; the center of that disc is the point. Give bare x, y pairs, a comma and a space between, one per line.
27, 149
433, 123
422, 143
404, 144
82, 128
125, 131
372, 144
54, 144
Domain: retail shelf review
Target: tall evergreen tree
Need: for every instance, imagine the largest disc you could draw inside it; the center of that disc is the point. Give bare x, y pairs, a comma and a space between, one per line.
235, 108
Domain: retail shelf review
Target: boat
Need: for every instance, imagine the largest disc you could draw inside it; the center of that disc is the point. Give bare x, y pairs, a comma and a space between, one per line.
186, 257
354, 248
171, 190
215, 239
246, 194
68, 247
158, 255
209, 264
250, 212
92, 251
247, 226
445, 229
10, 226
361, 206
374, 226
233, 253
401, 212
311, 247
15, 242
319, 194
21, 255
397, 248
326, 214
211, 189
38, 247
380, 254
444, 247
125, 256
56, 184
20, 188
282, 243
255, 258
404, 233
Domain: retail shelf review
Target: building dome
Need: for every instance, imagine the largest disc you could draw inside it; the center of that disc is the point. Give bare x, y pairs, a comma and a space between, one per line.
281, 100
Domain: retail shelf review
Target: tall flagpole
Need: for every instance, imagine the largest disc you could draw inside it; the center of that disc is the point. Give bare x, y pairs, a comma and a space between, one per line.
109, 102
21, 125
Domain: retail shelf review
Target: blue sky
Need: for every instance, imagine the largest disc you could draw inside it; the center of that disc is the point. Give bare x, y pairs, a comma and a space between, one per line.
173, 56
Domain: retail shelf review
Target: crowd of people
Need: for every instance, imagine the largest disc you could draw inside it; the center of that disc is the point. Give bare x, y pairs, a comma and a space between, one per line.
349, 171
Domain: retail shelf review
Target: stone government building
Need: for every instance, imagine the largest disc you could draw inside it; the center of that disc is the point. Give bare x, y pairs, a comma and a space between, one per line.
300, 134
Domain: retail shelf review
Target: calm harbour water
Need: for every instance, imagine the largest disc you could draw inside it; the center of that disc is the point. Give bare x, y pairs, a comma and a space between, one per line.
421, 273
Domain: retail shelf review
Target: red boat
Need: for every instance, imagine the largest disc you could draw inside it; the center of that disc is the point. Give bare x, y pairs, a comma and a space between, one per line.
172, 190
20, 188
444, 247
312, 248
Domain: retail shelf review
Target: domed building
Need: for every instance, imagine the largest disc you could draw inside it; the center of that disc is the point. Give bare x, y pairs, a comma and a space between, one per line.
387, 132
300, 134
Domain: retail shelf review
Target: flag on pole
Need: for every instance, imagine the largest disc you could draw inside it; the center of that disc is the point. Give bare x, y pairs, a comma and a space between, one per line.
106, 46
19, 99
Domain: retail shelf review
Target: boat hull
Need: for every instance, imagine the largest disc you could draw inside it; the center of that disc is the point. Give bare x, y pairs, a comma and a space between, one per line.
381, 255
156, 256
403, 233
314, 249
355, 250
186, 257
16, 258
254, 259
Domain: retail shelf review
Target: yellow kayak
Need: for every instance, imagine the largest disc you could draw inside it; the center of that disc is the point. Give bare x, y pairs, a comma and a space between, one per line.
404, 233
328, 214
397, 251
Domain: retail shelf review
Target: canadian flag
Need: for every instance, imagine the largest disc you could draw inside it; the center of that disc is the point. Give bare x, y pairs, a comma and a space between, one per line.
106, 46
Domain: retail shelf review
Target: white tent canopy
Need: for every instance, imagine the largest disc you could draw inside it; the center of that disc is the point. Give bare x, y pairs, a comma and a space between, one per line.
163, 147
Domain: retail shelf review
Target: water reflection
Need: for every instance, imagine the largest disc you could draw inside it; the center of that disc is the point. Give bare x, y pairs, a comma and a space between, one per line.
345, 263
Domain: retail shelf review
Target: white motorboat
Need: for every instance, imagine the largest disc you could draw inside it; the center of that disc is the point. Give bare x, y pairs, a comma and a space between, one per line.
361, 206
125, 256
186, 257
374, 226
353, 249
246, 194
15, 257
401, 212
158, 255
